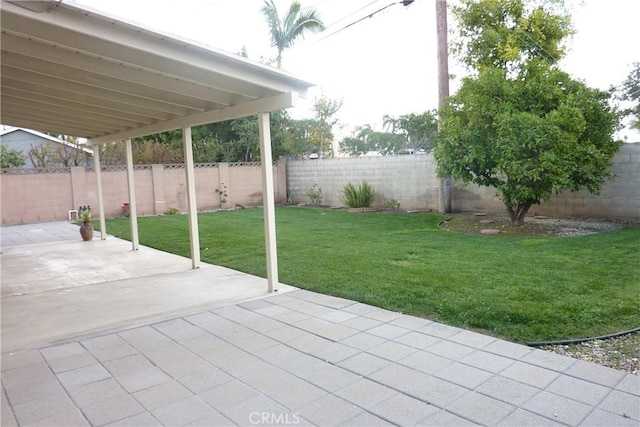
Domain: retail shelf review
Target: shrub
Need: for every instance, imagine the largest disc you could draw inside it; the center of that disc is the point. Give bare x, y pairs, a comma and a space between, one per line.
315, 195
391, 204
172, 211
358, 196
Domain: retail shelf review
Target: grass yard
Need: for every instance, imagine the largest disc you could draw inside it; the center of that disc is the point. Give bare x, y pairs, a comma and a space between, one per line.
521, 289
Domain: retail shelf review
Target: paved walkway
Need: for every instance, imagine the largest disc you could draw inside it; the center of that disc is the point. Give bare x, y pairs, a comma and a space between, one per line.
303, 358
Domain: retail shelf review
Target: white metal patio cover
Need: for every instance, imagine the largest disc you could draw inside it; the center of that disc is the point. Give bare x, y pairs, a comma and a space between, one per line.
72, 70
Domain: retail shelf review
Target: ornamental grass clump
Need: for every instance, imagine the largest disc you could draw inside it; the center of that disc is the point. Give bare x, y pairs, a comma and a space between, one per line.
358, 196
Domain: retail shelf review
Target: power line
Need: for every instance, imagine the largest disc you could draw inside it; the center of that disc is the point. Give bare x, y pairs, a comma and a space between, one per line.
404, 2
344, 18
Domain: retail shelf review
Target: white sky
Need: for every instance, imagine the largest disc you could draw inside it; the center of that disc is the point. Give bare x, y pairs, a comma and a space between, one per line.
385, 64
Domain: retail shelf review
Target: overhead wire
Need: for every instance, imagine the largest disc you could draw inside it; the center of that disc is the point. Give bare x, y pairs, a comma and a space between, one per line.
370, 15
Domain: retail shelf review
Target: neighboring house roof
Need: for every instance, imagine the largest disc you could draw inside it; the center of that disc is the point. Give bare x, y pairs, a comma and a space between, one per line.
71, 70
45, 136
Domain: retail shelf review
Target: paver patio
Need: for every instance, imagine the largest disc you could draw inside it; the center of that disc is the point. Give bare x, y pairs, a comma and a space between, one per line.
302, 358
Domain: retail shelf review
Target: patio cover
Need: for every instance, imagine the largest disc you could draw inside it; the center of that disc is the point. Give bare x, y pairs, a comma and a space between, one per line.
71, 70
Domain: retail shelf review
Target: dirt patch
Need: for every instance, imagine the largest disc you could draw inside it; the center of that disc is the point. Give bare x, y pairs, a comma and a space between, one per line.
500, 224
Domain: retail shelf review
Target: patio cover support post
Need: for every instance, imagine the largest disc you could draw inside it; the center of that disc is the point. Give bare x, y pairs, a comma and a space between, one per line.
194, 236
98, 169
133, 211
268, 201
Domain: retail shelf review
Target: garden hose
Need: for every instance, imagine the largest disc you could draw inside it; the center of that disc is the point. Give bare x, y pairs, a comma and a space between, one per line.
581, 340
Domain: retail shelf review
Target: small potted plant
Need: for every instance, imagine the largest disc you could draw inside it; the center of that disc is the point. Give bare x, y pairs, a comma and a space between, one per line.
86, 229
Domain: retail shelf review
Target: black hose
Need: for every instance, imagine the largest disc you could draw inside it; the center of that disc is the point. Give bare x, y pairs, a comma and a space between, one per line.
579, 340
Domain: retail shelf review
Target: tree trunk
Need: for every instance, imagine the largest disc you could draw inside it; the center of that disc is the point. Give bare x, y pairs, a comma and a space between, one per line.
518, 214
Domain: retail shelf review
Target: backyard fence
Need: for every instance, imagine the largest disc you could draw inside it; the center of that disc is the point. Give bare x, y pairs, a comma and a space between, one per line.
412, 181
32, 195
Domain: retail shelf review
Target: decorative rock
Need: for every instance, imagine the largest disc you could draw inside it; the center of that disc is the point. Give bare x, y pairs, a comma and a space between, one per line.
540, 217
480, 214
489, 231
568, 230
486, 221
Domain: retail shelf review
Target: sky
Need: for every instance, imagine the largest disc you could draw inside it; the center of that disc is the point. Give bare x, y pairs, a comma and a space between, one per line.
387, 63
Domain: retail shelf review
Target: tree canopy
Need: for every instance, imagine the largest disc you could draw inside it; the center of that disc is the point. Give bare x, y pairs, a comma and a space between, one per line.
321, 128
294, 25
409, 133
522, 125
501, 33
417, 131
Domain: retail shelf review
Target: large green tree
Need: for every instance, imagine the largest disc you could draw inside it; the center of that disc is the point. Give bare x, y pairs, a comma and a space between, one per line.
292, 26
520, 124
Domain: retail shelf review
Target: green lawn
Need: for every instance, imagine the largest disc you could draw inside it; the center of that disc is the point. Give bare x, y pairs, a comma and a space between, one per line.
522, 289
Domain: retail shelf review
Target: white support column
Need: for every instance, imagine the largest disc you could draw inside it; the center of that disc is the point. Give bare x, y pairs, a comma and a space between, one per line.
133, 211
194, 235
96, 166
268, 201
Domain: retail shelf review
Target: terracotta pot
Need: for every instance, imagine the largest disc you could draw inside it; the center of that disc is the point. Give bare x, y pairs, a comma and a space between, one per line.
86, 231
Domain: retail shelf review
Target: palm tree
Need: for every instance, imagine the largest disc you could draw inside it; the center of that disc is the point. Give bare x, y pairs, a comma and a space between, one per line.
294, 25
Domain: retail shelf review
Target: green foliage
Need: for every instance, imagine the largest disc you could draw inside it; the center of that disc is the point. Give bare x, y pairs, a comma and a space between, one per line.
365, 140
11, 158
294, 25
315, 195
391, 204
521, 125
229, 141
358, 196
528, 137
85, 215
222, 192
406, 263
172, 211
291, 198
505, 33
153, 150
321, 129
631, 94
418, 131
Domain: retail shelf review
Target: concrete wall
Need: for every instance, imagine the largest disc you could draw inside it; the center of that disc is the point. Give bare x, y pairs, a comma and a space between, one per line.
48, 196
412, 181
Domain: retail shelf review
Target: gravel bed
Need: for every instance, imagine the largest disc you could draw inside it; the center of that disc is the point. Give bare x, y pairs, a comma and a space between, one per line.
534, 226
577, 227
619, 353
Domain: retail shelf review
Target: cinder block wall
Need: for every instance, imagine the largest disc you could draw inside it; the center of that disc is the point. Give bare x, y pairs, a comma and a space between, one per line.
411, 180
619, 198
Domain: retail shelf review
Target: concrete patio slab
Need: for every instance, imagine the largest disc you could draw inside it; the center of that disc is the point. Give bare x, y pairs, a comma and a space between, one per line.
272, 361
77, 287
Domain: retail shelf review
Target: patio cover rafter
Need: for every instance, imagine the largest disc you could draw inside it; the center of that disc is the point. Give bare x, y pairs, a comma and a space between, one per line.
78, 58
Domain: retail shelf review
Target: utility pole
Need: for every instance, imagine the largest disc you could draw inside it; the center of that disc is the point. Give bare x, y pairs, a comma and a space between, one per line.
443, 89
